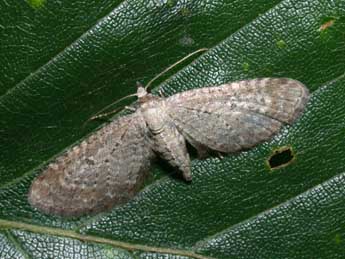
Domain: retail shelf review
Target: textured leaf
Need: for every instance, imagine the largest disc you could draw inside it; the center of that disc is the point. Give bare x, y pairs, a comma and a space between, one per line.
62, 61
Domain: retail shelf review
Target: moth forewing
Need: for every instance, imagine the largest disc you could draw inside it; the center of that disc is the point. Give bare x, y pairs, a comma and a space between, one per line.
109, 167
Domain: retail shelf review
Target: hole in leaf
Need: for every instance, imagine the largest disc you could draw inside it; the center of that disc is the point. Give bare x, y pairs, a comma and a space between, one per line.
281, 157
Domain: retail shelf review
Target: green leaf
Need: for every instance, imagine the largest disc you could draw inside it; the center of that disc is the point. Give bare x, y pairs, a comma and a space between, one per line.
61, 62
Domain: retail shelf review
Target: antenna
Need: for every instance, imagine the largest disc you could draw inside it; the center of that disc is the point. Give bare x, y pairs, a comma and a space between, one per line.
173, 65
98, 115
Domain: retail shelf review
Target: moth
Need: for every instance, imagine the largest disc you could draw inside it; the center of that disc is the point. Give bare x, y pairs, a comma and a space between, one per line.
109, 167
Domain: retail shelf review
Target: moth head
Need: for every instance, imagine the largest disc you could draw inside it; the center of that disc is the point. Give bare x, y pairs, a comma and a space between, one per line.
143, 95
141, 91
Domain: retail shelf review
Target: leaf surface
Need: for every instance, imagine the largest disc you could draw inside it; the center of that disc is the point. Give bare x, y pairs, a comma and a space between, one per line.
61, 62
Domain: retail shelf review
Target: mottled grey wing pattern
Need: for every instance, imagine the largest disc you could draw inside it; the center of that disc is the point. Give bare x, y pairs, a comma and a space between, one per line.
238, 115
104, 170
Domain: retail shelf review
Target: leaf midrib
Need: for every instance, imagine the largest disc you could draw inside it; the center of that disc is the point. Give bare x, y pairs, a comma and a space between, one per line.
7, 224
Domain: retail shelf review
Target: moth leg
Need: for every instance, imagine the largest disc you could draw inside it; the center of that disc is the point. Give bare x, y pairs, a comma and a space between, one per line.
220, 155
130, 108
201, 150
161, 94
